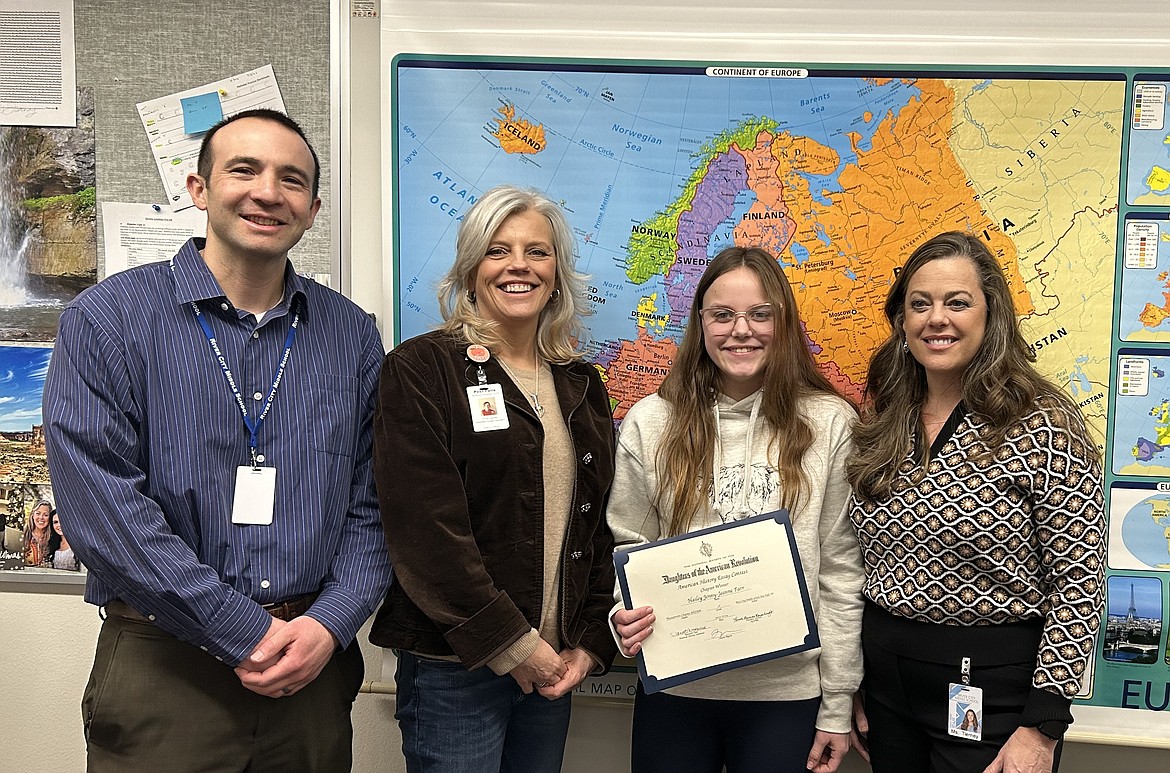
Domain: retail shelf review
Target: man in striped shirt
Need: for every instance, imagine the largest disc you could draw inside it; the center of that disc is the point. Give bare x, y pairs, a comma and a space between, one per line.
208, 429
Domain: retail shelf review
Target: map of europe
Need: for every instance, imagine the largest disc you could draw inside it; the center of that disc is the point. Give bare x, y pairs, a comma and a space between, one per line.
1145, 279
840, 174
1141, 420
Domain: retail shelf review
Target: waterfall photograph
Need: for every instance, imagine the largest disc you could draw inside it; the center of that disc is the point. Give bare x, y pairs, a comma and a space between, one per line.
48, 242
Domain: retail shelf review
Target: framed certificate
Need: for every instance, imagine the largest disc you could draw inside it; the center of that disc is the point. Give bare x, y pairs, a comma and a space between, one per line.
723, 597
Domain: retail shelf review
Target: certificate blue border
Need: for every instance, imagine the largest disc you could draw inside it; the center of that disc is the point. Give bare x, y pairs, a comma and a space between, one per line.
653, 684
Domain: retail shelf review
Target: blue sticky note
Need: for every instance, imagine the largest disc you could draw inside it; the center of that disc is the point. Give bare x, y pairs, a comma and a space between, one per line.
201, 112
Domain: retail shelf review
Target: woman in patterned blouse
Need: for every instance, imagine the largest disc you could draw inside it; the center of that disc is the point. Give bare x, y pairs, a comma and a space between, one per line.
978, 506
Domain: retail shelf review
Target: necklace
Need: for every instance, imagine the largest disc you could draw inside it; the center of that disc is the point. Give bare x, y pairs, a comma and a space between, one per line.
929, 421
533, 394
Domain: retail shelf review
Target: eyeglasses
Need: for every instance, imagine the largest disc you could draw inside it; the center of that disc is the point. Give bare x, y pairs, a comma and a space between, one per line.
720, 320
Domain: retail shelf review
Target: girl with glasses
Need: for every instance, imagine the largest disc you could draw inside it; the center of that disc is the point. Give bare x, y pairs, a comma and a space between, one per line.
744, 424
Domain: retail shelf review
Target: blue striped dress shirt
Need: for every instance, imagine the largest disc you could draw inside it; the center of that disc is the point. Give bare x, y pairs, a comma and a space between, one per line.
144, 437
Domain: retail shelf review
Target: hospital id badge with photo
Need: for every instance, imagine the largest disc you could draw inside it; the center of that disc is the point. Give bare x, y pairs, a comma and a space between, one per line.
488, 412
965, 712
255, 497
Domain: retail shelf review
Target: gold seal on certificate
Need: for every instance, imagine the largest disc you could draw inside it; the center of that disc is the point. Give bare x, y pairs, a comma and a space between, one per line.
723, 597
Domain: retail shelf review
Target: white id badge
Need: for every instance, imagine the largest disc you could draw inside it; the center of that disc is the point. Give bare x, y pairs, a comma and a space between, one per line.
255, 495
965, 712
487, 407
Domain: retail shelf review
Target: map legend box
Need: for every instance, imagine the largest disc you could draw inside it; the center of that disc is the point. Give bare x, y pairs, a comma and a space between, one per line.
1141, 245
1133, 377
1149, 106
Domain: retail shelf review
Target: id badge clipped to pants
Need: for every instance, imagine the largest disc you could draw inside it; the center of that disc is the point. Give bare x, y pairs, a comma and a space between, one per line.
965, 707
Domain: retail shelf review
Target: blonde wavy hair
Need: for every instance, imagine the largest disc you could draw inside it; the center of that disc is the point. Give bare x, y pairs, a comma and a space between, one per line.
559, 329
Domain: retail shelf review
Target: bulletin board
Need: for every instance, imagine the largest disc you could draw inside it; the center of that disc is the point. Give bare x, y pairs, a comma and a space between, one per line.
132, 52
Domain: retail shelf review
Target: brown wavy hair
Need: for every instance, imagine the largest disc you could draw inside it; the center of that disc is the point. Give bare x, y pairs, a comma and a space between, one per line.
1000, 385
686, 452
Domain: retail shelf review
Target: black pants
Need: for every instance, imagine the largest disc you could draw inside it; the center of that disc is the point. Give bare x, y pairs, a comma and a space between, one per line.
906, 705
156, 703
673, 734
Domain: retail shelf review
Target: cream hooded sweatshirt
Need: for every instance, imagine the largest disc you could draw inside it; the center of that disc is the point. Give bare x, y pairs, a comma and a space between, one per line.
824, 536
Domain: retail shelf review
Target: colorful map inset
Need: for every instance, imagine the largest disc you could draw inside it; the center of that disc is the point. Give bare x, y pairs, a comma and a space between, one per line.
1145, 279
1139, 528
1141, 416
1148, 181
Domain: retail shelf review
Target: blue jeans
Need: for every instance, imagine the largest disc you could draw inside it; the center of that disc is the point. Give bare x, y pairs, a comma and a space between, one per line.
459, 721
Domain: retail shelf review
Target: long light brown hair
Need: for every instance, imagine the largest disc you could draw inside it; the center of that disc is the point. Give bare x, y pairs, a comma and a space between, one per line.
686, 452
30, 527
30, 542
1000, 385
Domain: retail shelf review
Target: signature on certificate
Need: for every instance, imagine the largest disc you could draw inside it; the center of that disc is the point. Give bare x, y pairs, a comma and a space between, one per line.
721, 634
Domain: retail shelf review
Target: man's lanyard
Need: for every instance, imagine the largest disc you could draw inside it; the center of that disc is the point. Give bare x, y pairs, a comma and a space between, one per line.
253, 428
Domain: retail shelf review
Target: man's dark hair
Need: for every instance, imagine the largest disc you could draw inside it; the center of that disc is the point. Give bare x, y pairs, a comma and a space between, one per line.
267, 114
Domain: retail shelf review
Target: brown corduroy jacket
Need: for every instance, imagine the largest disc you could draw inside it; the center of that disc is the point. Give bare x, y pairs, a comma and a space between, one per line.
463, 510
